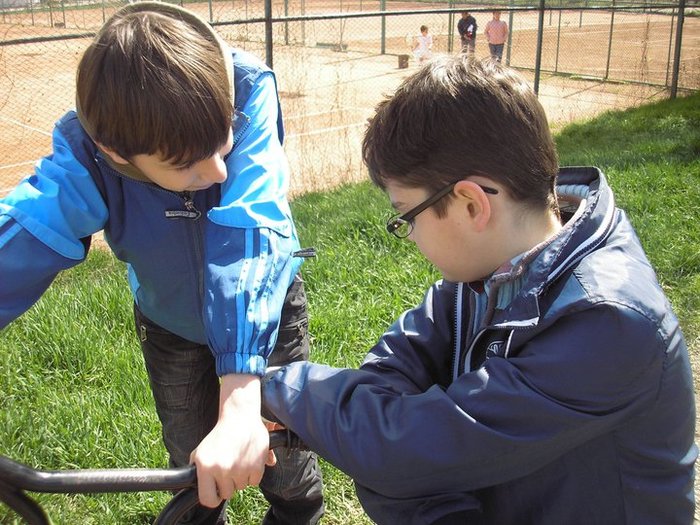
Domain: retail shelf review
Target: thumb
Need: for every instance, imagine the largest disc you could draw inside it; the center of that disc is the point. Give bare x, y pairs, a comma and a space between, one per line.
271, 458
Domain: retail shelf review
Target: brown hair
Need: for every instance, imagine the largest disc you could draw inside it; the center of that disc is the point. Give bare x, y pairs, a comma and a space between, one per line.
155, 82
459, 116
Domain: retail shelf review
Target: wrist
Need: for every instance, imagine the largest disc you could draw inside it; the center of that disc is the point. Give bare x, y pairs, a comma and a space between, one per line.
240, 394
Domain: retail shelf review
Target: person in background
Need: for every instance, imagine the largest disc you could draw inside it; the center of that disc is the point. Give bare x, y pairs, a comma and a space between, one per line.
422, 48
496, 35
176, 153
467, 27
545, 379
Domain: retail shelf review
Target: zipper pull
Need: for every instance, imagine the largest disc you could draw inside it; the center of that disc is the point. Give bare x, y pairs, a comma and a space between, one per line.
191, 212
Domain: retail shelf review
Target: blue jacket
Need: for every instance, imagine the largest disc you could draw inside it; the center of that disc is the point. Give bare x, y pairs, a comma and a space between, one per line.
217, 279
572, 403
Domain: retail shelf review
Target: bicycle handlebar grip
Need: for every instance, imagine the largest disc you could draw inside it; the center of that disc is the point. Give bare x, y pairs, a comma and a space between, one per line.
84, 481
95, 481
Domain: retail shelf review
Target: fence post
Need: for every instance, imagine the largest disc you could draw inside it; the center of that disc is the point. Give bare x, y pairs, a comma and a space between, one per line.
538, 56
580, 15
670, 45
556, 59
211, 12
510, 31
677, 53
610, 37
286, 24
268, 33
450, 28
382, 7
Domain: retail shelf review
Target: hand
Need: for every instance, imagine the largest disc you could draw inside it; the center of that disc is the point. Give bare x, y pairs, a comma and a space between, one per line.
271, 426
234, 454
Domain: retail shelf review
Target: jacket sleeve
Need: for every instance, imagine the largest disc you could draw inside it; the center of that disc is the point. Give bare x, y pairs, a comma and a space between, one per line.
500, 422
250, 240
45, 225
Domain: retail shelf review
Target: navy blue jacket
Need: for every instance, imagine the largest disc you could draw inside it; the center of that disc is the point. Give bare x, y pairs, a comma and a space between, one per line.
571, 404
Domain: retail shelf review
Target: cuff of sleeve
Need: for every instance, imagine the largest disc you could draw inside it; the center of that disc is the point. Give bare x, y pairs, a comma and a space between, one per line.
233, 363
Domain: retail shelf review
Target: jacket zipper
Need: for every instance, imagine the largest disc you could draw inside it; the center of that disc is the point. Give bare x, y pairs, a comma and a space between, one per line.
194, 214
457, 331
191, 212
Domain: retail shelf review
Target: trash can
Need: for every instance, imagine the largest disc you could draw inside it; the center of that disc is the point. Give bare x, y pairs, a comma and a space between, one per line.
403, 61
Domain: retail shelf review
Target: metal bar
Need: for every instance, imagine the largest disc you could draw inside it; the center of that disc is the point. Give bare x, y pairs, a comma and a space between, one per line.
510, 33
670, 45
268, 33
610, 37
382, 47
677, 53
538, 52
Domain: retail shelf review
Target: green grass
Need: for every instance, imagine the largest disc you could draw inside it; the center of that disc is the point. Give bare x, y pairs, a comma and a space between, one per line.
74, 391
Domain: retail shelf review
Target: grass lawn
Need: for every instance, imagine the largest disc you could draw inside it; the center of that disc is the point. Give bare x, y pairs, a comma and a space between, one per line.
74, 391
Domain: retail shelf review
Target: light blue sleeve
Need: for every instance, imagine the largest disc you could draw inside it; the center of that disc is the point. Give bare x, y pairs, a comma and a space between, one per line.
250, 241
44, 226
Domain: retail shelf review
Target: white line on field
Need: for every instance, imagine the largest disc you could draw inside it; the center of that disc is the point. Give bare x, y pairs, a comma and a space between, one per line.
23, 125
26, 162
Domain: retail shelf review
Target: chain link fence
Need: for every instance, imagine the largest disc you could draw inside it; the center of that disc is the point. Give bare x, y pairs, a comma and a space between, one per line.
336, 59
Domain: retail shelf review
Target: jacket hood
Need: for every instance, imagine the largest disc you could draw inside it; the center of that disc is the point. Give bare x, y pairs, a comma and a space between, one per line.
200, 25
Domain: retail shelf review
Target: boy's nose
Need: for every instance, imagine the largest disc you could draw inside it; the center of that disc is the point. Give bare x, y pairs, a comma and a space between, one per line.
213, 169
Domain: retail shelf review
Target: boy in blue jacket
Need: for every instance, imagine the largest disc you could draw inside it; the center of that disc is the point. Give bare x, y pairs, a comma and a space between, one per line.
175, 151
545, 380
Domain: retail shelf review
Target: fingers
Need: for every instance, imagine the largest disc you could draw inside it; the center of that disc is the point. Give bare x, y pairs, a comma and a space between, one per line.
206, 491
270, 426
212, 491
271, 458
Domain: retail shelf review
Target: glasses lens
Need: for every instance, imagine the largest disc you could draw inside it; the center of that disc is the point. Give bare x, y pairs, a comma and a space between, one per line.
398, 227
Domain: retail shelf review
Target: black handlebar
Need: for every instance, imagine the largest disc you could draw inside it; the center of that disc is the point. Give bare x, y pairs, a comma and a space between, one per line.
15, 478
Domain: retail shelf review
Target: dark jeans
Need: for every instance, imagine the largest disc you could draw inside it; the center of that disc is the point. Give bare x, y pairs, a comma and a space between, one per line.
496, 51
468, 44
186, 392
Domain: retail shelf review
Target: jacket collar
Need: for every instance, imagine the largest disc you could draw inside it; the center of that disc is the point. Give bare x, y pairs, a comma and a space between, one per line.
588, 203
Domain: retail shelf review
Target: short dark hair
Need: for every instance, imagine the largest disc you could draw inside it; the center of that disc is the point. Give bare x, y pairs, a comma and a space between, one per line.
155, 80
459, 116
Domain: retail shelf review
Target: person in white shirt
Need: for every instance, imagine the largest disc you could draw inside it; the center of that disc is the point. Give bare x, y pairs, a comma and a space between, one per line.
423, 46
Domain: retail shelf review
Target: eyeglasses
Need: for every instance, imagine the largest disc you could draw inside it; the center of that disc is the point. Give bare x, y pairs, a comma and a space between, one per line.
401, 226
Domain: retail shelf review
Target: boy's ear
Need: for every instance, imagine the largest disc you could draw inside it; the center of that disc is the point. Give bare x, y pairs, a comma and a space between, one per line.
476, 203
112, 154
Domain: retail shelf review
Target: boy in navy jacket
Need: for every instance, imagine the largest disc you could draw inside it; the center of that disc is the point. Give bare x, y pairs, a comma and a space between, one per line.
176, 153
545, 380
